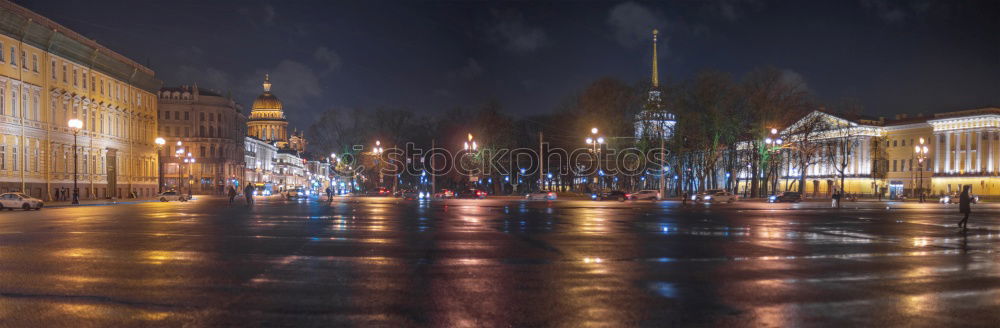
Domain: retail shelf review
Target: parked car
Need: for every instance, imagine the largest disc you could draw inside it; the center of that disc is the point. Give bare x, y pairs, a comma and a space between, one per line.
954, 198
719, 197
167, 196
472, 194
787, 196
541, 195
618, 195
444, 193
12, 200
646, 194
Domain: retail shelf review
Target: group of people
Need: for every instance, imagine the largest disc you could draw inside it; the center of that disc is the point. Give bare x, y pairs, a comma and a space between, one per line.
247, 194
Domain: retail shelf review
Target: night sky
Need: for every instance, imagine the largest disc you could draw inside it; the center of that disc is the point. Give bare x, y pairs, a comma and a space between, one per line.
428, 56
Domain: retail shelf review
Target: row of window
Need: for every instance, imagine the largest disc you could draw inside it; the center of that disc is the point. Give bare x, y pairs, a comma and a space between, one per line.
31, 160
114, 124
165, 115
902, 164
203, 132
24, 58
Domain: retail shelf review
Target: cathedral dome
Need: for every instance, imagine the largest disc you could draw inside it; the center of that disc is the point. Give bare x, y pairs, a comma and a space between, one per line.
266, 101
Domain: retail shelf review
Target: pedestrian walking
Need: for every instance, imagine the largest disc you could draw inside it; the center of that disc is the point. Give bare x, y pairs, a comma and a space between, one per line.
329, 195
835, 198
684, 198
965, 207
232, 194
248, 194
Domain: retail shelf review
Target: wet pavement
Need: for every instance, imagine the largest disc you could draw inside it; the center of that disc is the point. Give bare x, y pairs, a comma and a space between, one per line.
490, 263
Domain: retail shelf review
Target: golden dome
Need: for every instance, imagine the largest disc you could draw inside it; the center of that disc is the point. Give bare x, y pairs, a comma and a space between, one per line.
266, 101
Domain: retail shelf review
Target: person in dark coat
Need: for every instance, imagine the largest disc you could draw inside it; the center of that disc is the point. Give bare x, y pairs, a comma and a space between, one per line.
232, 194
248, 194
965, 207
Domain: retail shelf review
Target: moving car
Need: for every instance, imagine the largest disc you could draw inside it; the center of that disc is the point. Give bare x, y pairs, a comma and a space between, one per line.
167, 196
12, 200
954, 198
472, 194
296, 193
444, 193
381, 191
541, 195
787, 196
701, 195
646, 194
719, 197
618, 195
413, 194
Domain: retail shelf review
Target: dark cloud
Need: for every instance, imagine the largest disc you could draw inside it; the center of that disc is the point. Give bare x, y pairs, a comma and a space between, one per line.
514, 35
469, 71
328, 58
632, 23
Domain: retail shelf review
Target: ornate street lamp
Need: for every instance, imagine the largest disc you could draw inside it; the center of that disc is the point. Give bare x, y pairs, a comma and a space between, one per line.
595, 141
159, 162
190, 161
76, 125
921, 152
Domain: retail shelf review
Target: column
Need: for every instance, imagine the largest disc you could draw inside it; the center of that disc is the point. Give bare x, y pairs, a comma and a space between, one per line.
989, 151
937, 152
968, 151
979, 151
947, 152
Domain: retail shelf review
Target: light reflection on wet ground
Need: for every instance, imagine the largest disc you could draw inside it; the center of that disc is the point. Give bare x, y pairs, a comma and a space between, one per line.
482, 263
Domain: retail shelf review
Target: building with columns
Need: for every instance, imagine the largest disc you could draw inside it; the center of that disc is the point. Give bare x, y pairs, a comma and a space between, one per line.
267, 118
963, 149
211, 127
49, 75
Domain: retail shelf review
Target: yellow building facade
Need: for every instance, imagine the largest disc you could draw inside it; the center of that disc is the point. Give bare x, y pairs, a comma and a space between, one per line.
962, 149
49, 75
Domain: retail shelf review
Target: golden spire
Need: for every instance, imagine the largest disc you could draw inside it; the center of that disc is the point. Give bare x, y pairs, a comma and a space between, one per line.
267, 83
656, 73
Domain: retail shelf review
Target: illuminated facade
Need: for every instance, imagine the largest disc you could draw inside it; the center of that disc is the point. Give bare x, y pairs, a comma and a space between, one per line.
49, 75
963, 149
212, 128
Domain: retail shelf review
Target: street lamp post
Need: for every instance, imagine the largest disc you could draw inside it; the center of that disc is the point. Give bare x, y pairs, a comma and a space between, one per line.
159, 163
377, 151
773, 143
595, 141
473, 146
76, 125
921, 151
190, 161
178, 154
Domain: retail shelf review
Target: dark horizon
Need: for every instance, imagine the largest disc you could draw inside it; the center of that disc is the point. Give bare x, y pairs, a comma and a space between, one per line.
894, 57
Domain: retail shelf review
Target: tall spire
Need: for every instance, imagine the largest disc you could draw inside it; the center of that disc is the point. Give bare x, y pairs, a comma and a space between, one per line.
656, 73
267, 82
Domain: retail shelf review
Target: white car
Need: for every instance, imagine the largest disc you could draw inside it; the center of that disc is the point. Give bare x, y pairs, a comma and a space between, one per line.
719, 197
13, 200
167, 196
646, 194
541, 195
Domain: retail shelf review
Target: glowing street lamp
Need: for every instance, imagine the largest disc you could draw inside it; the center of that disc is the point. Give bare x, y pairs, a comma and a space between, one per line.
921, 151
76, 125
159, 162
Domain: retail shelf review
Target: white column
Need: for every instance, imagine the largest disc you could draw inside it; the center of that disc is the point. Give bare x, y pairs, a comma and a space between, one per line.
947, 152
968, 151
979, 151
989, 151
937, 152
